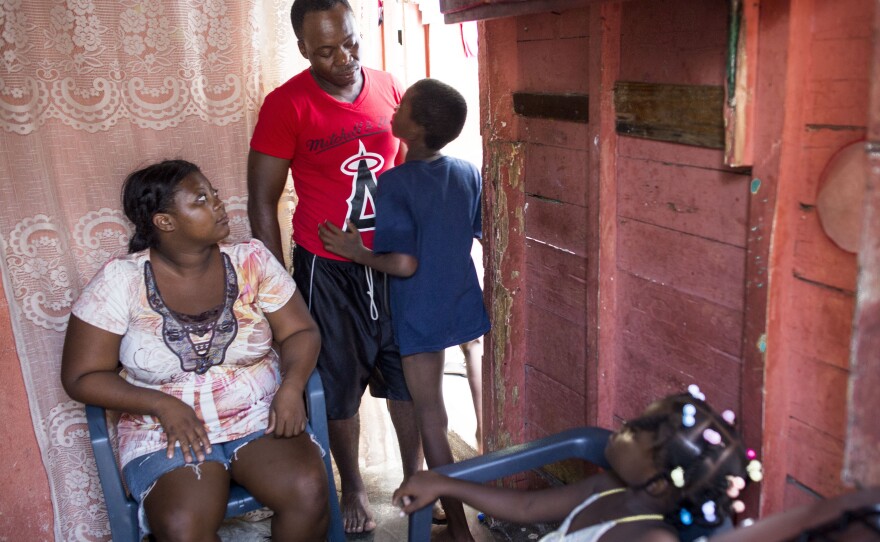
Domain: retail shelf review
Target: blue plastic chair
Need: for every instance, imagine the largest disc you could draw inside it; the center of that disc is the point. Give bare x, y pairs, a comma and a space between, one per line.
122, 509
586, 443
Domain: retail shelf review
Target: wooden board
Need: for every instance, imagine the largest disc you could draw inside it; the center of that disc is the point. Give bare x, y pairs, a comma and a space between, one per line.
688, 114
564, 107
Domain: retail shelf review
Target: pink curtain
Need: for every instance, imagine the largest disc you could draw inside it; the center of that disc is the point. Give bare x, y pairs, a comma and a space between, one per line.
89, 91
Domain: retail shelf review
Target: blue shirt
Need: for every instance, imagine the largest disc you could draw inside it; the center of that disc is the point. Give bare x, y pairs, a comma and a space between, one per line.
431, 210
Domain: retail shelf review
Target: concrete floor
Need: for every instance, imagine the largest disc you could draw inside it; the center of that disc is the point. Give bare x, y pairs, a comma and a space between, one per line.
380, 467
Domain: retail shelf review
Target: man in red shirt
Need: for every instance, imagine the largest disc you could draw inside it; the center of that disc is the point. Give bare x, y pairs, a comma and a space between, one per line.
330, 125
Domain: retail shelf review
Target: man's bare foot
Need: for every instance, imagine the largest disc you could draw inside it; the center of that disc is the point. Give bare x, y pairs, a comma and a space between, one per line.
357, 517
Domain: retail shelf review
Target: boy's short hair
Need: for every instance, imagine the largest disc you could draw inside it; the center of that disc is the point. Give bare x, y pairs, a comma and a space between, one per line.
439, 109
300, 8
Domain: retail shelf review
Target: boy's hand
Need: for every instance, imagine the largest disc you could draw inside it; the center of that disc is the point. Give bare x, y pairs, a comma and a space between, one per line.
344, 243
418, 491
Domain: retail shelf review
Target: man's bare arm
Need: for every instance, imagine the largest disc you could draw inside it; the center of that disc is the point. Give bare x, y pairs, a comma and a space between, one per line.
266, 177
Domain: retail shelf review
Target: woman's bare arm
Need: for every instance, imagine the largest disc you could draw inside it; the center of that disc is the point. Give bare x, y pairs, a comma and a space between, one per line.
300, 341
89, 365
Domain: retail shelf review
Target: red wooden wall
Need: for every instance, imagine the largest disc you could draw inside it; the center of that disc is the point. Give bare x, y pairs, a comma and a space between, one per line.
812, 297
621, 269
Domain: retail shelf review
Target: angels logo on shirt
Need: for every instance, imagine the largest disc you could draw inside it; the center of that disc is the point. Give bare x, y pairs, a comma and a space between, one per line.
361, 204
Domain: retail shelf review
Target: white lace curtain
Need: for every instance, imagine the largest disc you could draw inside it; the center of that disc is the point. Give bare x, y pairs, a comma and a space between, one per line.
89, 91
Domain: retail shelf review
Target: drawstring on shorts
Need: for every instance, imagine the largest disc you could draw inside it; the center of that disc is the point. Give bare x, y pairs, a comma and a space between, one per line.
374, 311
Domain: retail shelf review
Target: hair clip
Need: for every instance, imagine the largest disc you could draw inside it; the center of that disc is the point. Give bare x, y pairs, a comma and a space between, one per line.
755, 470
688, 415
737, 482
712, 436
685, 517
729, 416
709, 511
694, 390
738, 507
677, 477
732, 487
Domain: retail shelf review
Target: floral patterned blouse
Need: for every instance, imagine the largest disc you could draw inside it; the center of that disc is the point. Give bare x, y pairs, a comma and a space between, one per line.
221, 363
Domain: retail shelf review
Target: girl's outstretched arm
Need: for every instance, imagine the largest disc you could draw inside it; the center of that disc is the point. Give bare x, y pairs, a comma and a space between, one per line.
515, 505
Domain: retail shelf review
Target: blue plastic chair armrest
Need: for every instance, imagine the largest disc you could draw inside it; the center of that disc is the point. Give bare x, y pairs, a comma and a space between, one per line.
318, 420
121, 510
587, 443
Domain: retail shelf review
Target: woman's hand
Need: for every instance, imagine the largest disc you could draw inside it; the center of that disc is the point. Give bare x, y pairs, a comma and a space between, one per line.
287, 416
418, 491
181, 425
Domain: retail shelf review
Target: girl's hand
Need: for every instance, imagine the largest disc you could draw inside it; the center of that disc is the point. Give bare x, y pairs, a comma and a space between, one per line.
287, 416
180, 423
418, 491
347, 244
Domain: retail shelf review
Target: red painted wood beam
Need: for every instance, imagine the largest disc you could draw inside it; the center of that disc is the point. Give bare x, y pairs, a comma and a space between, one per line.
602, 325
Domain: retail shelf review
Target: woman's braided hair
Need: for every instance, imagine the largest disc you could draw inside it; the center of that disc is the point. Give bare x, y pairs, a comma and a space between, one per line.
701, 455
148, 191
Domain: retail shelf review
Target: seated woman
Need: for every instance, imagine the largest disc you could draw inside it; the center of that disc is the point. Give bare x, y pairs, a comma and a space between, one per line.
204, 397
679, 463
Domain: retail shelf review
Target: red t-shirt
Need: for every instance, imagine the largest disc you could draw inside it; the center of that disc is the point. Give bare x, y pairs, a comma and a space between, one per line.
337, 151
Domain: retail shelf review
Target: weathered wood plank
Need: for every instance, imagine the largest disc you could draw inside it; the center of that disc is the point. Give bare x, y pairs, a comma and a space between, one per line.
553, 76
739, 105
694, 265
687, 319
550, 132
840, 103
842, 19
553, 25
820, 396
655, 374
550, 404
560, 225
687, 114
708, 203
797, 495
672, 153
557, 347
564, 107
818, 463
674, 41
823, 326
555, 281
458, 11
503, 383
557, 173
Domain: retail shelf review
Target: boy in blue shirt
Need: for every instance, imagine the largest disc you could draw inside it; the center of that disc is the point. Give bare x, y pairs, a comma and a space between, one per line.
427, 215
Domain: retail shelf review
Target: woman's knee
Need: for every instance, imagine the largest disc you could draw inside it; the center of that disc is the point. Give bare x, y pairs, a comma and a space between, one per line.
183, 525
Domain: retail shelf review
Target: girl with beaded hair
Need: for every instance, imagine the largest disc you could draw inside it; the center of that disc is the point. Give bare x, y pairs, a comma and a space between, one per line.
678, 464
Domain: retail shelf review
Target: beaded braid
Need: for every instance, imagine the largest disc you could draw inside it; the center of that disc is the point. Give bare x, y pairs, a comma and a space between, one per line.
148, 191
703, 457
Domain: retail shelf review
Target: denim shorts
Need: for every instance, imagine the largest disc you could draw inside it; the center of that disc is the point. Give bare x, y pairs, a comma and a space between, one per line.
142, 473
